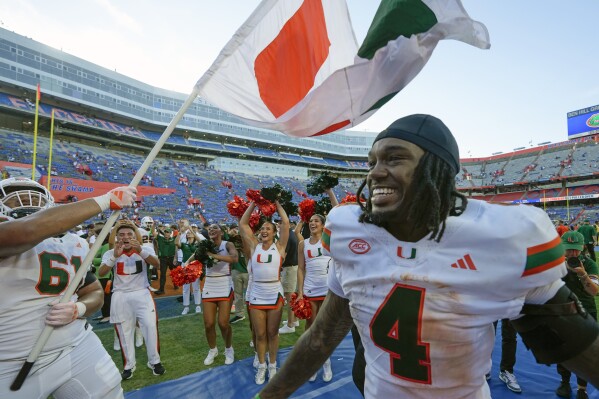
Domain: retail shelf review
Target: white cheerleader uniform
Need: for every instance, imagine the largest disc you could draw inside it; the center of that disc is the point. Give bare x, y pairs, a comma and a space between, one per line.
267, 291
218, 285
317, 268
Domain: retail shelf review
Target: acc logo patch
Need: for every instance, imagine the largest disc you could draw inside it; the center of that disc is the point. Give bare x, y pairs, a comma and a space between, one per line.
359, 246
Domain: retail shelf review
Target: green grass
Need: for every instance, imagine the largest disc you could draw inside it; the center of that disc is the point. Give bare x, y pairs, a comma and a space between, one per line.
183, 348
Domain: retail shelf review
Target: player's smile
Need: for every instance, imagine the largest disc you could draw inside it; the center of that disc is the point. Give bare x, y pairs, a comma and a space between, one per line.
382, 196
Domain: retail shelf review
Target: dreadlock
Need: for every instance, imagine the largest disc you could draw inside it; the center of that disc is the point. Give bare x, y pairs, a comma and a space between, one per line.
434, 197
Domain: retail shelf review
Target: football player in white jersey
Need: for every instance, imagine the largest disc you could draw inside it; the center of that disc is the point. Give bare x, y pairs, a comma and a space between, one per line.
131, 301
423, 273
36, 266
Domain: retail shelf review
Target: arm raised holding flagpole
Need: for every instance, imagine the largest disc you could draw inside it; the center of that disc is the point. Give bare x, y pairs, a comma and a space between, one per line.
70, 290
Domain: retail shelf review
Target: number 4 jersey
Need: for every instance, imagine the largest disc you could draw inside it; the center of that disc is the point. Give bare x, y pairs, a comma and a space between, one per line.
425, 310
29, 282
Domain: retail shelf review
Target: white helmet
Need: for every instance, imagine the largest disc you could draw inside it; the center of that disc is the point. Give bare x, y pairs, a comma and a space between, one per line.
20, 196
147, 222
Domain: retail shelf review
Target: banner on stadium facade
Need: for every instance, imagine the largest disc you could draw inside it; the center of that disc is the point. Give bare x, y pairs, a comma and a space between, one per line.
556, 199
64, 189
583, 122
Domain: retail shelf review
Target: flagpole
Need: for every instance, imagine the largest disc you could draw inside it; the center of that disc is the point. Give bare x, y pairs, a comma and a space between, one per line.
37, 103
49, 174
71, 288
567, 205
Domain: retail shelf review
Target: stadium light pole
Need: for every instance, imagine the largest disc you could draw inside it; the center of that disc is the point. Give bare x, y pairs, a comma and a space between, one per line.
87, 261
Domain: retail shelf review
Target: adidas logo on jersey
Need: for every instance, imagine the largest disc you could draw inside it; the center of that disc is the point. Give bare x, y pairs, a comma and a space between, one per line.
464, 263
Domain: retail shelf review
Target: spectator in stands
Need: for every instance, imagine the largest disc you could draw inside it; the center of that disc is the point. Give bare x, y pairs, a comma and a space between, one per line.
583, 280
561, 228
167, 251
204, 230
590, 237
239, 273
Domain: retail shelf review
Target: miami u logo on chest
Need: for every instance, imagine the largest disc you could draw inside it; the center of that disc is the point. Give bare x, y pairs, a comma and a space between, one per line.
260, 258
406, 253
312, 255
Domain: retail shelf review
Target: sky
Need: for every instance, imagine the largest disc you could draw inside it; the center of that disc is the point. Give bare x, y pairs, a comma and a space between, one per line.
543, 60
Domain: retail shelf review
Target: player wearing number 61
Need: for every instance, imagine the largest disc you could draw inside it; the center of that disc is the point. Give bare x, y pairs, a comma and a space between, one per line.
37, 262
431, 273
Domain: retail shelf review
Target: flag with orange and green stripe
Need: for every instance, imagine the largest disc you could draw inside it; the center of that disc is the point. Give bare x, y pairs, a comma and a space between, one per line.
295, 66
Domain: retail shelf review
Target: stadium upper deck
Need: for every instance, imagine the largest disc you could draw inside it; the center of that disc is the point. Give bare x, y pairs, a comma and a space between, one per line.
97, 100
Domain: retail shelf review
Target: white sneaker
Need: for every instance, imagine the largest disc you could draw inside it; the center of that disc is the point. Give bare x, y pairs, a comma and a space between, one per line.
261, 374
185, 310
327, 374
152, 289
229, 355
286, 329
139, 338
295, 323
313, 378
198, 309
510, 381
272, 370
211, 355
256, 360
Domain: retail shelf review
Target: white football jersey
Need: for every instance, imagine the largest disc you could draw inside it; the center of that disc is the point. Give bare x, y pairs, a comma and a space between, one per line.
425, 310
29, 282
130, 271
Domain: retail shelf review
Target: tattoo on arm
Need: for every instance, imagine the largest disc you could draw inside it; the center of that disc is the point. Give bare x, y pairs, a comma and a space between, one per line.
313, 348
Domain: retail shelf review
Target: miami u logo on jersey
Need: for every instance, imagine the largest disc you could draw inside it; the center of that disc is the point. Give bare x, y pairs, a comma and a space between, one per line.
268, 260
401, 254
310, 255
120, 268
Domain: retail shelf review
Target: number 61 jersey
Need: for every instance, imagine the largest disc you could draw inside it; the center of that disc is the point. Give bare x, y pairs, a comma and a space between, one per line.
425, 309
29, 282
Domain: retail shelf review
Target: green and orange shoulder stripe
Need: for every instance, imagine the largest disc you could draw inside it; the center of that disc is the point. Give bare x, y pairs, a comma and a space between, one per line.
544, 257
326, 239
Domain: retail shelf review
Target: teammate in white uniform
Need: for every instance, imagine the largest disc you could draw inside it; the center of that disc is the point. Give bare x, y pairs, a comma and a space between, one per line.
132, 301
36, 265
312, 277
217, 295
423, 273
266, 297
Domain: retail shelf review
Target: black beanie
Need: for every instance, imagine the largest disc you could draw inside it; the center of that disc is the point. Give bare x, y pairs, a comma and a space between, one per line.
428, 133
